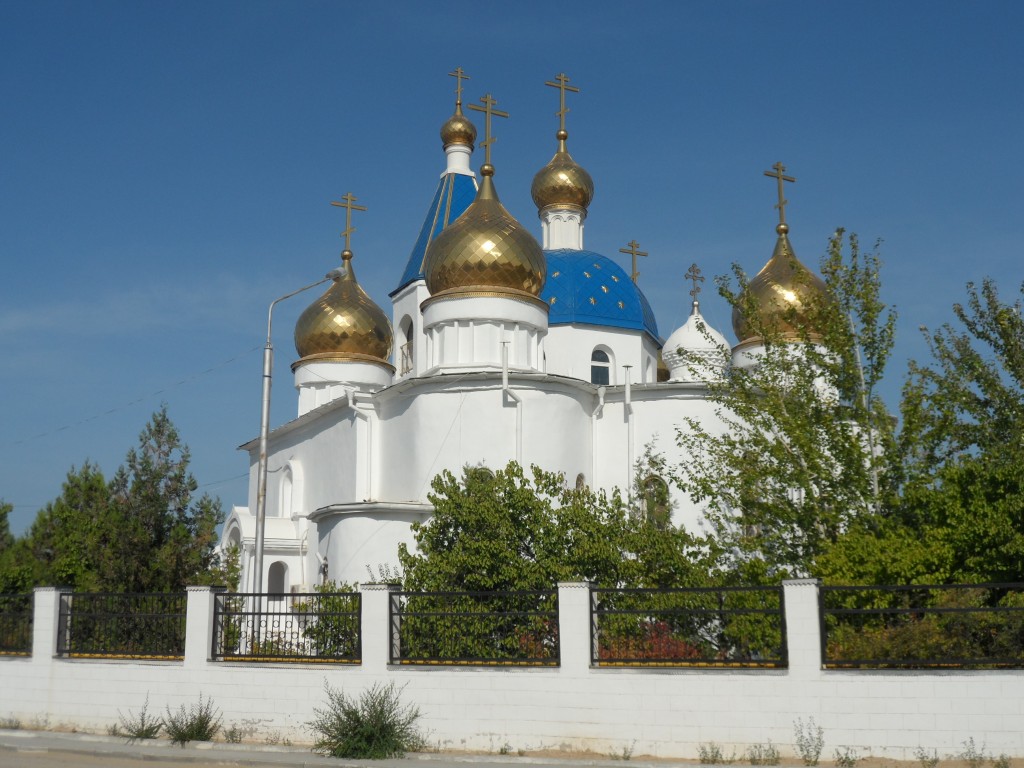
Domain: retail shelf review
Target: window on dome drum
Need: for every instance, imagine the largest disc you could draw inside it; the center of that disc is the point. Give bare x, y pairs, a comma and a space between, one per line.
600, 367
405, 350
657, 501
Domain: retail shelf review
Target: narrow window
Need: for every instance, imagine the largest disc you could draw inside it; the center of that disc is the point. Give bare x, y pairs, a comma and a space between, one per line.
600, 367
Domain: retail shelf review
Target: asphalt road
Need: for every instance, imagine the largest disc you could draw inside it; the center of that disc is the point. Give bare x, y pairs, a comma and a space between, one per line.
45, 749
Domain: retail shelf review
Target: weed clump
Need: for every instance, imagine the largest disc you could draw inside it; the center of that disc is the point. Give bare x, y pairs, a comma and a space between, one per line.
135, 727
199, 722
375, 726
810, 740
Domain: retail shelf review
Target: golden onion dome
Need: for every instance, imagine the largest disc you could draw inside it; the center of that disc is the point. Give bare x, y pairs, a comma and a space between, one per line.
343, 324
458, 129
783, 285
562, 183
485, 251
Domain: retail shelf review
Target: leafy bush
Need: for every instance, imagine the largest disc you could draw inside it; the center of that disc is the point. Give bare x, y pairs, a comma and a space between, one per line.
374, 726
134, 727
199, 722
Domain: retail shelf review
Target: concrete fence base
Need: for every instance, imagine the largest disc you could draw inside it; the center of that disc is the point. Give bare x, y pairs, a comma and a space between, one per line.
659, 712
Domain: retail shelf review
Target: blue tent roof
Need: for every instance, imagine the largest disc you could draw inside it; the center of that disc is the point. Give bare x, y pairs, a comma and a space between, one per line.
586, 287
454, 193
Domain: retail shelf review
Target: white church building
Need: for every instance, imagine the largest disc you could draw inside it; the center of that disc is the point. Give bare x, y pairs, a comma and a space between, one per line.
499, 347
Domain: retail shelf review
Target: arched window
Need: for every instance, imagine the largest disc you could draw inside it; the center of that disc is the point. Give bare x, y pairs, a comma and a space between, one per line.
277, 578
600, 367
657, 501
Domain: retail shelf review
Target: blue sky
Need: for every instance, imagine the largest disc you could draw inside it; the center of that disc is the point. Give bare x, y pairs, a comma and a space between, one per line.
167, 167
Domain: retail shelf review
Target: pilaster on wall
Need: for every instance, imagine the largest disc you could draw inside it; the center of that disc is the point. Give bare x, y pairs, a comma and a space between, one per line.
574, 627
199, 624
45, 623
375, 630
803, 626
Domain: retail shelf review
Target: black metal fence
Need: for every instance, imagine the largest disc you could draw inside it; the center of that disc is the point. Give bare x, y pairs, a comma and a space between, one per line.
16, 625
309, 627
725, 626
491, 628
923, 627
127, 625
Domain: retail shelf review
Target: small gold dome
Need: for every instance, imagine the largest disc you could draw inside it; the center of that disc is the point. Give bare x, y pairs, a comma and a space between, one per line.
485, 250
562, 182
343, 324
458, 129
782, 283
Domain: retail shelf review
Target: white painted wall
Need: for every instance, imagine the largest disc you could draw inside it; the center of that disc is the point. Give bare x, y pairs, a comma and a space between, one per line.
660, 712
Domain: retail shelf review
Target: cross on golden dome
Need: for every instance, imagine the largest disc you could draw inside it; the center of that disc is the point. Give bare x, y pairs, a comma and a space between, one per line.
349, 204
693, 274
562, 85
631, 249
488, 109
779, 168
459, 76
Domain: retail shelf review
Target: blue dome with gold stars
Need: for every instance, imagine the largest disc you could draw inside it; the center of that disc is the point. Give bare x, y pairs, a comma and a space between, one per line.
587, 288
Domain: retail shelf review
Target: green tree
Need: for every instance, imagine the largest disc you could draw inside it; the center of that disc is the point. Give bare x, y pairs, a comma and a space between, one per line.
960, 515
805, 439
510, 531
141, 532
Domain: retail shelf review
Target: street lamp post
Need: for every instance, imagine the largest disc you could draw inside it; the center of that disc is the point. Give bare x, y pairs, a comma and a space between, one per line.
261, 472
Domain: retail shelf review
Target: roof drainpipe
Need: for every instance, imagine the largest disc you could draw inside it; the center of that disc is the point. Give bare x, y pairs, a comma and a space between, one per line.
598, 410
516, 399
628, 407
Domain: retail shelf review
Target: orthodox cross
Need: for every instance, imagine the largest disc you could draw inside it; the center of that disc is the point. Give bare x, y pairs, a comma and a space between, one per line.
459, 76
694, 275
349, 204
562, 85
488, 109
778, 174
632, 251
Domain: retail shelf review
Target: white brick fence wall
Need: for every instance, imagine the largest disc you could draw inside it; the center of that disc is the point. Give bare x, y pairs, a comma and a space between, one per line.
657, 711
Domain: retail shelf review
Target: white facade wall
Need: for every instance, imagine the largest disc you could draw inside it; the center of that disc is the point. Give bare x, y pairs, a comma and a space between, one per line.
659, 712
568, 349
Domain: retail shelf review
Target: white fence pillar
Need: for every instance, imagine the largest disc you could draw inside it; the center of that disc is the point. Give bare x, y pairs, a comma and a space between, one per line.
375, 629
803, 626
45, 623
574, 626
199, 625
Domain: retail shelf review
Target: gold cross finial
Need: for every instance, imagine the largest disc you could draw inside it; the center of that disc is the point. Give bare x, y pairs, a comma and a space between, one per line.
349, 204
489, 111
779, 168
459, 76
562, 85
631, 249
693, 274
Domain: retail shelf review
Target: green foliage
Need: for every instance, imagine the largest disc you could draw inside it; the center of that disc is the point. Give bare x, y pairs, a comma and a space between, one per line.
376, 725
926, 759
141, 532
711, 754
198, 722
136, 726
810, 740
806, 438
763, 754
973, 755
960, 515
845, 757
513, 532
335, 630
